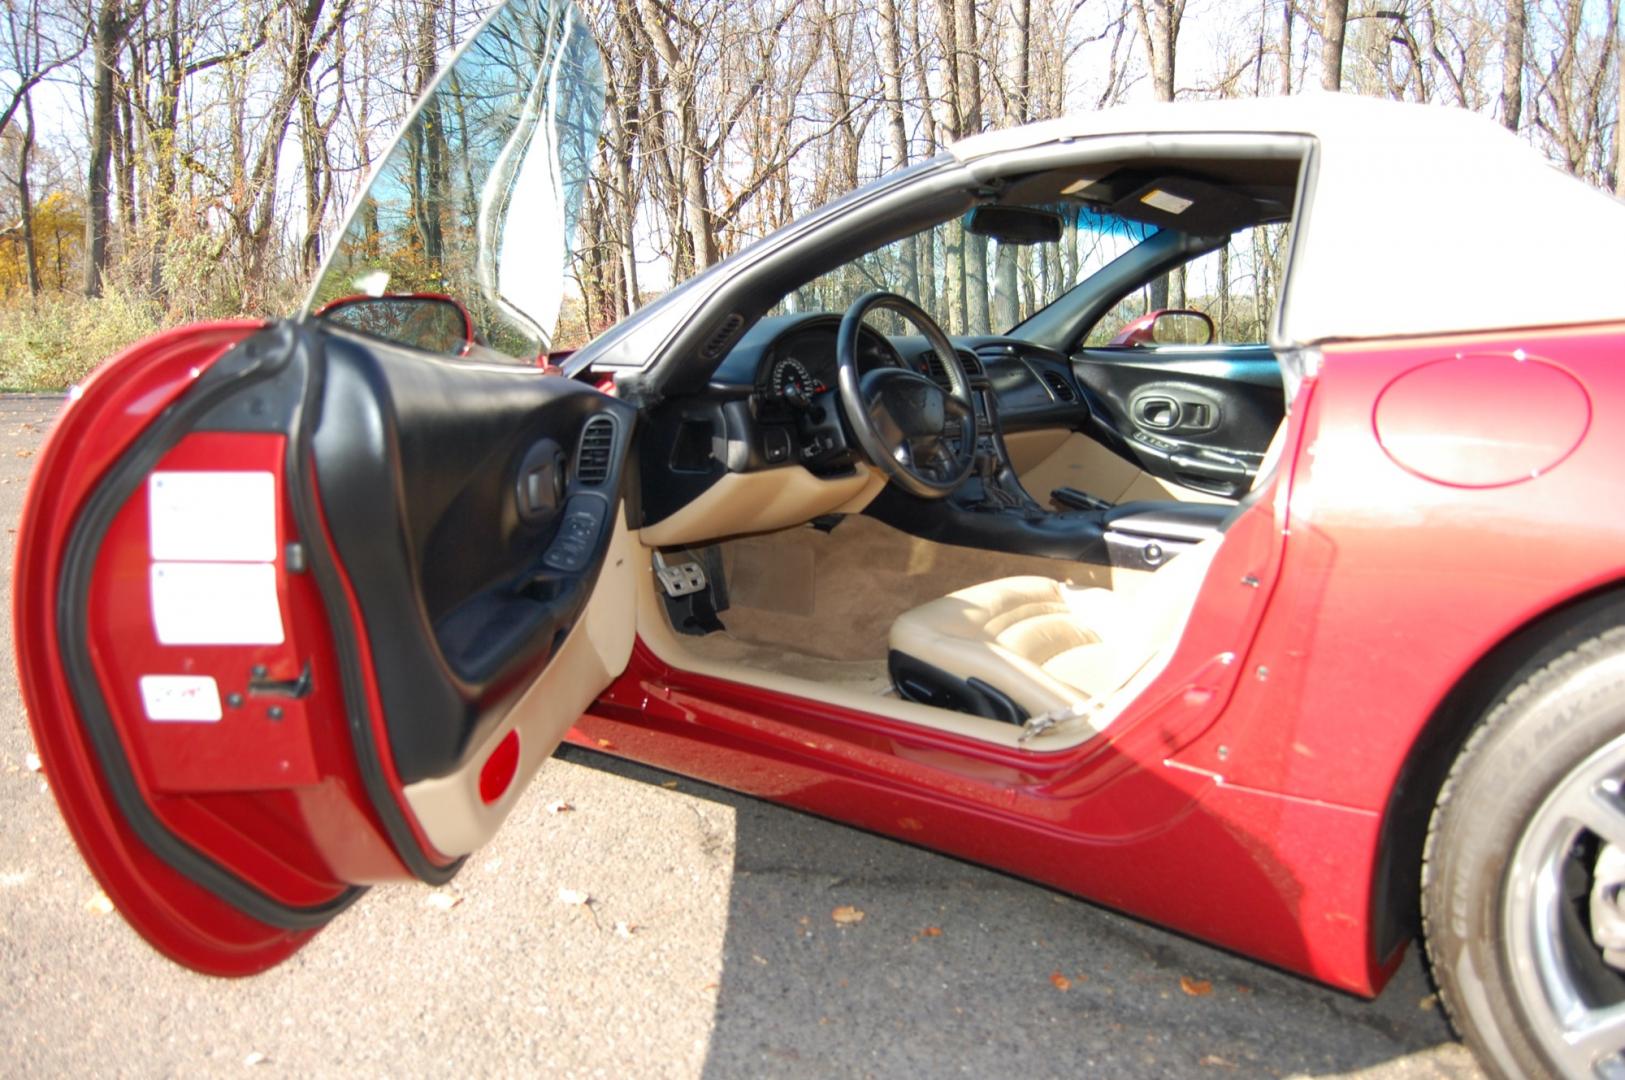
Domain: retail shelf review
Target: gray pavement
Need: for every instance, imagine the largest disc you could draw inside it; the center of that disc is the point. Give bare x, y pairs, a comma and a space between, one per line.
708, 949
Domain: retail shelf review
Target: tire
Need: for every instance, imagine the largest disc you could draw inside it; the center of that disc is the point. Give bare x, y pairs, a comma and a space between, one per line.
1511, 876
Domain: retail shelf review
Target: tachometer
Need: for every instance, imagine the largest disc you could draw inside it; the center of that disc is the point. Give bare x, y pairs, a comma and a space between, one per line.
793, 382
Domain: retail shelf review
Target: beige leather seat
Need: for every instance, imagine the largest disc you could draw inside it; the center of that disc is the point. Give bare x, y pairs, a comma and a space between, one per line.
1041, 643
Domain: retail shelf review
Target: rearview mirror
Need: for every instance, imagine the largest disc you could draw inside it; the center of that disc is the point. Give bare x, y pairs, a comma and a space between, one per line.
1167, 326
1016, 225
430, 321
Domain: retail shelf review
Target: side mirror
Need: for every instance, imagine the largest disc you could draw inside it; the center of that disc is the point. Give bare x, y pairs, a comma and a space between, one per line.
1169, 326
1015, 225
431, 321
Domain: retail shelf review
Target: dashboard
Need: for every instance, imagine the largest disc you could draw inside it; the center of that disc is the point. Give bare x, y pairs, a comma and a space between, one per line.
773, 402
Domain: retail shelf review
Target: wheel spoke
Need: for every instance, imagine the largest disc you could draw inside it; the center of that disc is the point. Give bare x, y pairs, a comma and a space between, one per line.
1594, 1036
1598, 809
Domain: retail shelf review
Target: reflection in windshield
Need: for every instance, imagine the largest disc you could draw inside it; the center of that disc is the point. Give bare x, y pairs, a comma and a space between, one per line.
969, 283
478, 199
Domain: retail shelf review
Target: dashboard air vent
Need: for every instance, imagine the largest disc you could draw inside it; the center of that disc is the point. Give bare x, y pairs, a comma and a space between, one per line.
592, 456
722, 337
939, 374
1062, 389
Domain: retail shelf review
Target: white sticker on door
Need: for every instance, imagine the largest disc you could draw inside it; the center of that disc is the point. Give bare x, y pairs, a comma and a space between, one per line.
215, 604
212, 516
194, 698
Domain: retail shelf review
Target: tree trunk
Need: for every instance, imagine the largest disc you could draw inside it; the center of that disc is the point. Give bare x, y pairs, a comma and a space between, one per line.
1287, 15
1159, 29
108, 32
891, 76
1334, 18
1512, 46
968, 100
1619, 123
25, 199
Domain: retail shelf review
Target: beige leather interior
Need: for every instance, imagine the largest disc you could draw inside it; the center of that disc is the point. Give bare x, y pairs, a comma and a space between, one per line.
1054, 458
449, 808
755, 502
774, 651
1047, 645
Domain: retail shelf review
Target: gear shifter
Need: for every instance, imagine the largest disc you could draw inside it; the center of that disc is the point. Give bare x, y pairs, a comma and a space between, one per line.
994, 492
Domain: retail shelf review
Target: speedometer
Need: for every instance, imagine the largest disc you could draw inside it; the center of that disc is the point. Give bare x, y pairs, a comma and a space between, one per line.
792, 381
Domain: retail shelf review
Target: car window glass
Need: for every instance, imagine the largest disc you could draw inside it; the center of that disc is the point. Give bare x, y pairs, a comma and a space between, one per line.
973, 284
477, 202
1237, 286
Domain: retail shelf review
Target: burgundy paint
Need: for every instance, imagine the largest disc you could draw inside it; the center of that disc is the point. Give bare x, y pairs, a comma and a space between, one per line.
1482, 419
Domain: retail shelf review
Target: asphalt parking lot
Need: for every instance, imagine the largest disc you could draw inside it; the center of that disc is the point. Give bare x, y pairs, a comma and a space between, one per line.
707, 947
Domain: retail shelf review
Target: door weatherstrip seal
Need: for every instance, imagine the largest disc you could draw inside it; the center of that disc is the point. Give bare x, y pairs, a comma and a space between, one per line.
261, 359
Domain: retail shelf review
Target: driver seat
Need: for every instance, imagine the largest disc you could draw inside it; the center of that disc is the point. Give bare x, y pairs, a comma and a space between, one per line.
1021, 647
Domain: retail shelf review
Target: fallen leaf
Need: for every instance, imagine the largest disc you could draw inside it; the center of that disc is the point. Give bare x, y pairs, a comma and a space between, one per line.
846, 915
25, 453
931, 931
759, 959
254, 1057
1060, 982
559, 806
444, 901
99, 904
1428, 1002
574, 897
669, 784
1195, 987
1212, 1060
32, 763
606, 744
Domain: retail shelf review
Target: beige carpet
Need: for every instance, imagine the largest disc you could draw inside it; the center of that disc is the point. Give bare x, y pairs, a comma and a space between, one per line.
833, 596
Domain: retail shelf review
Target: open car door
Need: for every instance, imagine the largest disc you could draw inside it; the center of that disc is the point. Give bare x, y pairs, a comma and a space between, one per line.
297, 612
303, 607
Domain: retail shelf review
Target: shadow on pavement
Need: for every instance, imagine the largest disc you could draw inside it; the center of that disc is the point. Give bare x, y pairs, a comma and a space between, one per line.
957, 970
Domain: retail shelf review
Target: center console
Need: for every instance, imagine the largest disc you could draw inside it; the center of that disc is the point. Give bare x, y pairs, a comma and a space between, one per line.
993, 510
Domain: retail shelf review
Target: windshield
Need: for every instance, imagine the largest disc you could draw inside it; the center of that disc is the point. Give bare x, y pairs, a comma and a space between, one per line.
972, 284
477, 203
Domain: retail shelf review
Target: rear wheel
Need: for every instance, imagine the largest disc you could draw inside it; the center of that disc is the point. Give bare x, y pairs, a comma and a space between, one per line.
1523, 884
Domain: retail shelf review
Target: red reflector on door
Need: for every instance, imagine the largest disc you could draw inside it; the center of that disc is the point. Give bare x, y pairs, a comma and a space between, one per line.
499, 769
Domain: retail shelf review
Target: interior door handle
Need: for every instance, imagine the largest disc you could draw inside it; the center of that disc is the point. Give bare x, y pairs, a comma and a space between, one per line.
1161, 413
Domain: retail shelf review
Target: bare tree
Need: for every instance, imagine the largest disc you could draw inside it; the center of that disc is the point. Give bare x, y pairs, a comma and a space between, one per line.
1334, 16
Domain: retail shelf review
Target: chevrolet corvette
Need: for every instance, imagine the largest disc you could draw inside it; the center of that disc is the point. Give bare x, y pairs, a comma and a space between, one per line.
1209, 510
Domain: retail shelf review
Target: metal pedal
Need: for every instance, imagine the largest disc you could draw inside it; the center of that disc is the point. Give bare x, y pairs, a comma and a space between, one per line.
679, 579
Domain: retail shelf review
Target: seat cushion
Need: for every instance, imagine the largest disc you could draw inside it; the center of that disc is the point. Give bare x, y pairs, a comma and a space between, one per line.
1046, 645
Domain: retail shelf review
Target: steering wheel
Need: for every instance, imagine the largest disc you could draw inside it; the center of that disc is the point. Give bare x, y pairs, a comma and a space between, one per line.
905, 422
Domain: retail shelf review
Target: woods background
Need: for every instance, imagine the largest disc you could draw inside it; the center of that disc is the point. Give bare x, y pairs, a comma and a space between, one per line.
163, 161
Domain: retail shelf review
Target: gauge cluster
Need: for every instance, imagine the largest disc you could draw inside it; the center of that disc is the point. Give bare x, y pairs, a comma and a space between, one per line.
801, 365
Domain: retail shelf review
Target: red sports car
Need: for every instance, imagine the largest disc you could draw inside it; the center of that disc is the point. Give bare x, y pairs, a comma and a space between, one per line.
1209, 510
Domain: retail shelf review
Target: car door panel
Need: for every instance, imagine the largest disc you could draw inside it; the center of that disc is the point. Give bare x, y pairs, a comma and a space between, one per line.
1199, 417
235, 780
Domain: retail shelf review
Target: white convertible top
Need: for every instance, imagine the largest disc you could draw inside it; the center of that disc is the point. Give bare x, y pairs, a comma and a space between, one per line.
1417, 219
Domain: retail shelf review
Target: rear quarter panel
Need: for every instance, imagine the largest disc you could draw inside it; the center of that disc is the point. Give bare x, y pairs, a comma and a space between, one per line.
1394, 584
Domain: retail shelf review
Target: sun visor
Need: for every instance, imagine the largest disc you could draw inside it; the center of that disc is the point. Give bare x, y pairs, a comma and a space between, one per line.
1187, 205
